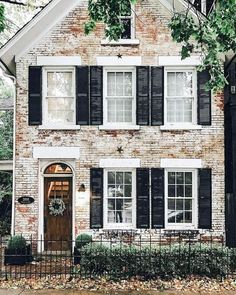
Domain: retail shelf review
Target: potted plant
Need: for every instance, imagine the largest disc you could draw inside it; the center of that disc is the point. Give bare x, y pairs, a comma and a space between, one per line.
17, 251
81, 241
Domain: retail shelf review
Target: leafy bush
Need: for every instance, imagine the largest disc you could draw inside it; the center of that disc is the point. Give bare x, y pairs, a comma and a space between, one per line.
164, 261
82, 240
16, 243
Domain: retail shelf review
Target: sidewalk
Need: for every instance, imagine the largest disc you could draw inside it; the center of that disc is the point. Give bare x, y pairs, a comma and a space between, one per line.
74, 292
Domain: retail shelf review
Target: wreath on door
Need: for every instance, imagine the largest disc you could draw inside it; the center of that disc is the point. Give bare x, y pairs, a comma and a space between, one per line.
56, 207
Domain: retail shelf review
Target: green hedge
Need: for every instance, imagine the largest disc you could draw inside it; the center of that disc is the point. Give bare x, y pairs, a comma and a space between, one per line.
164, 261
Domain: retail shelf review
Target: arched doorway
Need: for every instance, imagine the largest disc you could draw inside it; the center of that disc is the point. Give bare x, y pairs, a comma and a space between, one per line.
58, 207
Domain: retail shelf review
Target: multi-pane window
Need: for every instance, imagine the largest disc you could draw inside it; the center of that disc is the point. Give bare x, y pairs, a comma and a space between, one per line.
180, 96
180, 192
119, 97
59, 96
119, 198
128, 25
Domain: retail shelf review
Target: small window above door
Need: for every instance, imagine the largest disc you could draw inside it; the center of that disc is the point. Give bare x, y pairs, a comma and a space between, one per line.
58, 168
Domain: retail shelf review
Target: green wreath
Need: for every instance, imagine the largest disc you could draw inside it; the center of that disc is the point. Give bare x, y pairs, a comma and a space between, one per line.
56, 207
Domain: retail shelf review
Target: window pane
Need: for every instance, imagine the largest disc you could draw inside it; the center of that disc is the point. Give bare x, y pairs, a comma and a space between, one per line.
128, 191
171, 205
111, 217
111, 204
59, 84
119, 191
179, 204
171, 177
171, 191
128, 216
180, 177
188, 177
60, 110
119, 84
188, 217
128, 83
128, 177
111, 191
119, 177
111, 177
188, 191
111, 91
188, 204
171, 84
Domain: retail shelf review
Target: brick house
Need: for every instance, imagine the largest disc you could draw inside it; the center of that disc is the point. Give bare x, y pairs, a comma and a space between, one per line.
123, 132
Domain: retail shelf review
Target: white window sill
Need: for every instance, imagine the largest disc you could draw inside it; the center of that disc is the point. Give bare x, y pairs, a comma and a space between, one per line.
59, 127
120, 42
180, 227
117, 127
180, 127
124, 227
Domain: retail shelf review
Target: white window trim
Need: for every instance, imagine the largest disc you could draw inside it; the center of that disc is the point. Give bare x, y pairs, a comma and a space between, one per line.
118, 125
116, 61
181, 163
46, 124
46, 152
176, 60
120, 163
105, 203
181, 125
182, 226
58, 60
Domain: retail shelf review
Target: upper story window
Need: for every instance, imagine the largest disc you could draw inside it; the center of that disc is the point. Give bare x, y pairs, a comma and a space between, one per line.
204, 6
119, 91
128, 24
59, 96
180, 96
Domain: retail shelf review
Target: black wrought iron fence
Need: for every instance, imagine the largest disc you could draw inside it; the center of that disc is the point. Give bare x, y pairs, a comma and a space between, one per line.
116, 254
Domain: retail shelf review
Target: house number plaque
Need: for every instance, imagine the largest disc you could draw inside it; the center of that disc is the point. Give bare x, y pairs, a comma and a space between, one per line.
26, 200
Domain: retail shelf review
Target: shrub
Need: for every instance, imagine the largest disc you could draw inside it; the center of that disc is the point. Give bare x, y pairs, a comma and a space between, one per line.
164, 261
16, 243
82, 240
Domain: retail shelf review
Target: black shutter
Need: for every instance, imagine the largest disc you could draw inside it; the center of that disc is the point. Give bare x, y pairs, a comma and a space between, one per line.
96, 201
82, 95
143, 212
157, 96
204, 99
158, 198
35, 95
142, 81
96, 95
204, 199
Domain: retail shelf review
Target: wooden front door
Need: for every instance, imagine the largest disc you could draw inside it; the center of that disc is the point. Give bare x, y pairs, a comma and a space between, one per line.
58, 228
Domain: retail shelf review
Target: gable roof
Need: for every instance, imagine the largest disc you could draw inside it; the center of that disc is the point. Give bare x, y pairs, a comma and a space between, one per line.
47, 18
32, 32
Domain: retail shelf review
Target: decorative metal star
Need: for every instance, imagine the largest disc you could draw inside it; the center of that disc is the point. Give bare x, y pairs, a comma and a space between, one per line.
120, 149
119, 55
